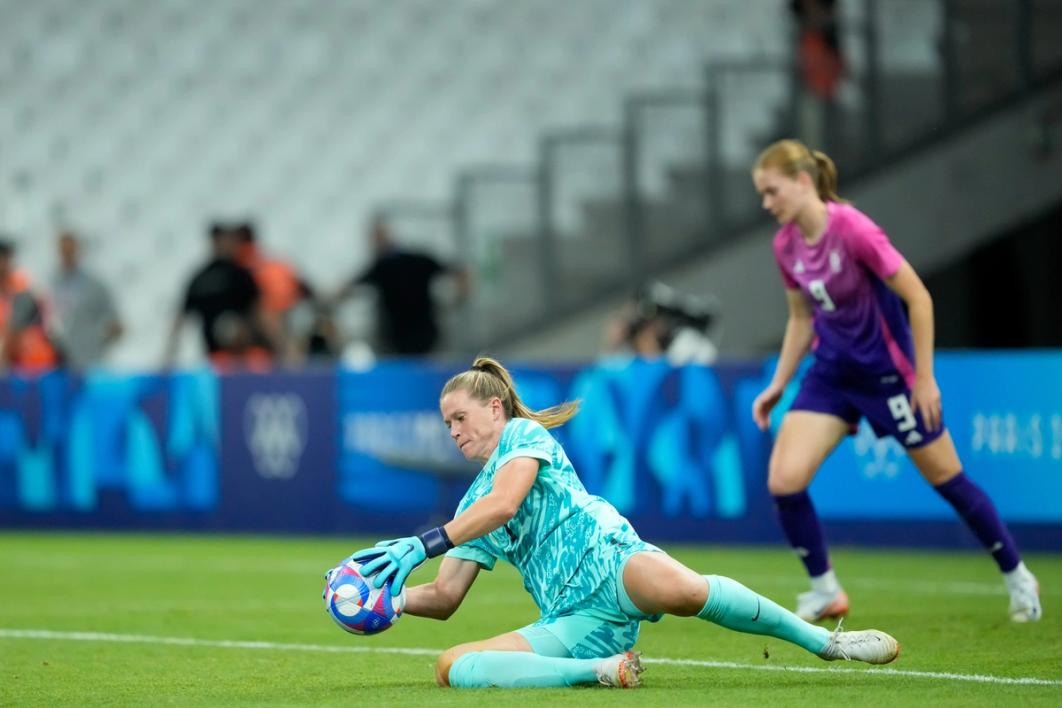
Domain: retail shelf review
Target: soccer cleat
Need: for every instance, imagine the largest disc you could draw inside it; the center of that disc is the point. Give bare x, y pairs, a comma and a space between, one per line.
620, 670
813, 606
1024, 598
869, 645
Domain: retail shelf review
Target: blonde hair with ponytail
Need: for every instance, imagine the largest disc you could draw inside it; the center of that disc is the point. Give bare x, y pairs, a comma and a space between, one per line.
791, 157
488, 379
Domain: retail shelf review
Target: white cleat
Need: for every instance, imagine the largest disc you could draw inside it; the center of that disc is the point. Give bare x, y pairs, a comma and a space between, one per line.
620, 670
869, 645
814, 606
1024, 598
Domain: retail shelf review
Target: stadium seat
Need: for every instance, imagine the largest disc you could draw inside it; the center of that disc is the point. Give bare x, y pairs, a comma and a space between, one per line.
144, 121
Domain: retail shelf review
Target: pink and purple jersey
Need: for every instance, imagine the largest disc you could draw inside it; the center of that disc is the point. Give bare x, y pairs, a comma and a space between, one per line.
861, 327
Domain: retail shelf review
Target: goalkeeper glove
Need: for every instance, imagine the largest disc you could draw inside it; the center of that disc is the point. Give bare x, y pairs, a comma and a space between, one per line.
397, 558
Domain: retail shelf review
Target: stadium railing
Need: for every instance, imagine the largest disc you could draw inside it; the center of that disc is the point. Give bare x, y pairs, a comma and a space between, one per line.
618, 205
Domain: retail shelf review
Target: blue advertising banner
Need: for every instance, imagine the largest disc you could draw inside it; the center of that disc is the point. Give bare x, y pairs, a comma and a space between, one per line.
278, 452
109, 449
658, 442
675, 450
394, 452
662, 445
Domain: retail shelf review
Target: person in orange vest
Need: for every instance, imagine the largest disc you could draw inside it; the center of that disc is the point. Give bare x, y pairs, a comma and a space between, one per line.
279, 285
822, 68
24, 343
819, 46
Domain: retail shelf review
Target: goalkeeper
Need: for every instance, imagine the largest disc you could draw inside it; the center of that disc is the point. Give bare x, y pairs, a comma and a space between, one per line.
587, 570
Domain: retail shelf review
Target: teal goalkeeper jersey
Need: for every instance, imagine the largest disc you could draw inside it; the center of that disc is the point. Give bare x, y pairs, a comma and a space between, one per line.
563, 540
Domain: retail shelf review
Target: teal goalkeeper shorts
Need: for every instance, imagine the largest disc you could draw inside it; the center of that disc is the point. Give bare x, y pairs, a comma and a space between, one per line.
608, 625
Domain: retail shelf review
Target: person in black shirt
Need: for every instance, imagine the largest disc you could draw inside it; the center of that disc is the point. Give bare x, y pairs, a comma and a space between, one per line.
406, 322
224, 296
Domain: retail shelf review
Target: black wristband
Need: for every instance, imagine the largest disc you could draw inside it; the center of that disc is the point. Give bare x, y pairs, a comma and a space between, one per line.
435, 541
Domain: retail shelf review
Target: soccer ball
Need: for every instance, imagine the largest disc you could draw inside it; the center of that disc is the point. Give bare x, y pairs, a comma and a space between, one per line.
355, 605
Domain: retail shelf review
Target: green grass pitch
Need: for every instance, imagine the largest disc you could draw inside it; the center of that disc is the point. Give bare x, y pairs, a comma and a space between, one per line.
190, 620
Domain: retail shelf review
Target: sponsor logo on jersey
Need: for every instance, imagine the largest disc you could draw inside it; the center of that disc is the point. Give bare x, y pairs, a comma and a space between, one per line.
799, 266
835, 261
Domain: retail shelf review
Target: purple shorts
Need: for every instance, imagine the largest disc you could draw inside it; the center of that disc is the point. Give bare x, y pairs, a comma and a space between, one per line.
885, 401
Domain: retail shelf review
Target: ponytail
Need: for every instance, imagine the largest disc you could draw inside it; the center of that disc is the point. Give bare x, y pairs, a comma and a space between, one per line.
488, 379
825, 177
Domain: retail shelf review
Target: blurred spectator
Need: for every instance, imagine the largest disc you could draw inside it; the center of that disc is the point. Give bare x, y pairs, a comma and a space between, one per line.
85, 320
226, 299
24, 343
819, 46
660, 321
821, 65
280, 287
406, 320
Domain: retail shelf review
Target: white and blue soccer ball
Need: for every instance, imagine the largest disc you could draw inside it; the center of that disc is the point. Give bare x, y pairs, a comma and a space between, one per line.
355, 605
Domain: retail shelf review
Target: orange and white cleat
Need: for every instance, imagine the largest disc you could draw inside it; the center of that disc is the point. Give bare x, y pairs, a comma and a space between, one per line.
814, 606
620, 670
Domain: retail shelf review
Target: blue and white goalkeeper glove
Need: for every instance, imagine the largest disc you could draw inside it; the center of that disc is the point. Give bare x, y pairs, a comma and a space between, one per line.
397, 558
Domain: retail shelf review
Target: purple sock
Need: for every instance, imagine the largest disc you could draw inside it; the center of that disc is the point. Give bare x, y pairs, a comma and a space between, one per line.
801, 526
979, 513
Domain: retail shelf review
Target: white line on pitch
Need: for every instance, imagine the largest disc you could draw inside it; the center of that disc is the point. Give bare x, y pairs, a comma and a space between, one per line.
190, 642
946, 676
276, 646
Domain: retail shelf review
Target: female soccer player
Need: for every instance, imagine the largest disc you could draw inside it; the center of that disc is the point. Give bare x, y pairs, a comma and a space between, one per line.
847, 286
591, 576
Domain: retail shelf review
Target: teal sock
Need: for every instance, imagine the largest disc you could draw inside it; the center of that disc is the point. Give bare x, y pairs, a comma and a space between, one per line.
519, 669
732, 605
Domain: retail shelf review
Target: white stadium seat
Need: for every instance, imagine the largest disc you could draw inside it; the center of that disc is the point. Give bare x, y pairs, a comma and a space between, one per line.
145, 120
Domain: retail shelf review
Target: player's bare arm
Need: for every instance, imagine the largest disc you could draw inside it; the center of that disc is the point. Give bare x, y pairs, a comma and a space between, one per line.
925, 397
511, 484
440, 598
799, 332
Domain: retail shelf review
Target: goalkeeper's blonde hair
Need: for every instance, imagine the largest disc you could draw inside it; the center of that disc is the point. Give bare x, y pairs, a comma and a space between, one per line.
488, 379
